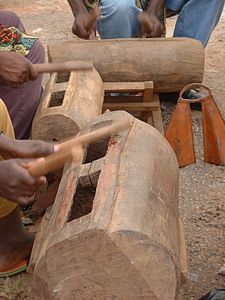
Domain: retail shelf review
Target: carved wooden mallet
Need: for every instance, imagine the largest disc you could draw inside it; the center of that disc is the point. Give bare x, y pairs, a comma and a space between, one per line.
63, 67
72, 149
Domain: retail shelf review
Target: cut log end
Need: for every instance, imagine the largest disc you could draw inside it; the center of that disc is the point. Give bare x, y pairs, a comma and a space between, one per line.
105, 269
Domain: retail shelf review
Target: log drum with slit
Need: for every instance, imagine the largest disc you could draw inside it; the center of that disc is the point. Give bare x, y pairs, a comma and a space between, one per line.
142, 66
113, 231
68, 102
170, 63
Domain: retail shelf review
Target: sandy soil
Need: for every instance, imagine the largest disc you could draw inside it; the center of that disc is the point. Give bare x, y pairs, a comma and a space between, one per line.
202, 186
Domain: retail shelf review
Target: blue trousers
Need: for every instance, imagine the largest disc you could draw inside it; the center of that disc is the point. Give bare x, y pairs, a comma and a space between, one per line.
197, 18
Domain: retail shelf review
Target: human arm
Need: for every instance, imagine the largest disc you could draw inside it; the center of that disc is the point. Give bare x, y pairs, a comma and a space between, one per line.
150, 19
16, 184
84, 19
77, 6
15, 69
11, 148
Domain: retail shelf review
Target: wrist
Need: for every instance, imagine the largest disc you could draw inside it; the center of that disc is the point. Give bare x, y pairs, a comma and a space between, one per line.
77, 7
156, 7
91, 4
7, 146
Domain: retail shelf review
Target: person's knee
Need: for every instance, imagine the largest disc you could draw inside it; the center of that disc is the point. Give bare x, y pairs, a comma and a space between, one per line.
9, 18
122, 6
119, 19
119, 8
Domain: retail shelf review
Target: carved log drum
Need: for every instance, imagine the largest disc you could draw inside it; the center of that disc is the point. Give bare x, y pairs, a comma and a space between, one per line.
69, 101
127, 246
171, 63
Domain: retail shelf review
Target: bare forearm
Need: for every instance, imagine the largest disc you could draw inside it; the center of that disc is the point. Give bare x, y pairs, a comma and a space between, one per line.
6, 146
156, 6
77, 6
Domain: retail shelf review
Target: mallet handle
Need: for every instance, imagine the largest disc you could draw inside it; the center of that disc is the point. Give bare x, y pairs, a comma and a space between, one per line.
72, 149
97, 134
63, 67
54, 161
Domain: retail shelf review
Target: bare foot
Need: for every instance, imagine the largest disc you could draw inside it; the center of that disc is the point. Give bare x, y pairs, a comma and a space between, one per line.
15, 250
16, 242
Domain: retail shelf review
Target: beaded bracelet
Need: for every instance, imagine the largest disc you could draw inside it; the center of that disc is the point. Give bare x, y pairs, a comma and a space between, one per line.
91, 3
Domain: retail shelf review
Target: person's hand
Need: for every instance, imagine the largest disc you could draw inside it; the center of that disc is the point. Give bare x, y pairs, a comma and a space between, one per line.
16, 184
150, 25
15, 69
85, 23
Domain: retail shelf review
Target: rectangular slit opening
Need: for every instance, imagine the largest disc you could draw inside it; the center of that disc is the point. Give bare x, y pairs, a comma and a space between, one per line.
82, 202
63, 77
98, 149
56, 99
86, 188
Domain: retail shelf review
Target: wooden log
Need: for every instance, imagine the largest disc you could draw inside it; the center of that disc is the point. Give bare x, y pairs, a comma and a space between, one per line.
170, 63
128, 245
68, 102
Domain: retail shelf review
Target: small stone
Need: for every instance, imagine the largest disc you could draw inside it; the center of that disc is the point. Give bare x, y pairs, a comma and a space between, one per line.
222, 271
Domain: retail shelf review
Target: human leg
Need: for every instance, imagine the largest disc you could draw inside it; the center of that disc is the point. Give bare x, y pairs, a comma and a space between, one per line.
16, 242
119, 19
197, 18
6, 127
23, 101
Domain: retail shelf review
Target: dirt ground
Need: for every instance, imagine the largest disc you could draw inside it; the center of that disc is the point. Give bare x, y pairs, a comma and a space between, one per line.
202, 186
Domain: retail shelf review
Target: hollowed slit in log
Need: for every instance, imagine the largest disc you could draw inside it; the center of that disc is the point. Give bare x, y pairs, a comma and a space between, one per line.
62, 77
56, 99
86, 189
82, 202
89, 174
99, 149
